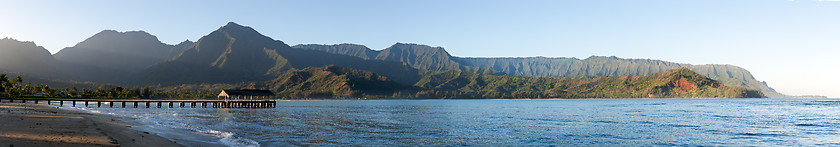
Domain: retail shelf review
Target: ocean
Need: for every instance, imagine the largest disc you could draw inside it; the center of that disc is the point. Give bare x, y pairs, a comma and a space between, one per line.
544, 122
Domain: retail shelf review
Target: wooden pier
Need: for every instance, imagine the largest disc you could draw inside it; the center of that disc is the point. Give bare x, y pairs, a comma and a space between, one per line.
156, 103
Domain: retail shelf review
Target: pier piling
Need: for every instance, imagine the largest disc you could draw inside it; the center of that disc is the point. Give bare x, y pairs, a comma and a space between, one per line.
149, 103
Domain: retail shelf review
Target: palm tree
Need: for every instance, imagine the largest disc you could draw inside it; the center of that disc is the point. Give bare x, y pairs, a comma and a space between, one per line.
28, 89
3, 79
47, 90
17, 80
73, 91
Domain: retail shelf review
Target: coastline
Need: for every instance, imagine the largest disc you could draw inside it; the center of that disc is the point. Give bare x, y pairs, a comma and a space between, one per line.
28, 124
377, 99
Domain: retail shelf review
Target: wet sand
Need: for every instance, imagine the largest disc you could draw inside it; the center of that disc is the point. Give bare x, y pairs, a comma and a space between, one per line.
43, 125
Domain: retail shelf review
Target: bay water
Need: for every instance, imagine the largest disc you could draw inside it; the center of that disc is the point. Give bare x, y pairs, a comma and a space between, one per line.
545, 122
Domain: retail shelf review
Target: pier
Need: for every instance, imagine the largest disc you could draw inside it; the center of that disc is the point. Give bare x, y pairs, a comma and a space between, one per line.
154, 103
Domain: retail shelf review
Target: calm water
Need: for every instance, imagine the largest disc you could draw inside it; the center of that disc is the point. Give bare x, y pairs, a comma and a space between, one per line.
587, 122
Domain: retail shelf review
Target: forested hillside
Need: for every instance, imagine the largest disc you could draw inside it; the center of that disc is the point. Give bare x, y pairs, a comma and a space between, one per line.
436, 59
612, 66
338, 82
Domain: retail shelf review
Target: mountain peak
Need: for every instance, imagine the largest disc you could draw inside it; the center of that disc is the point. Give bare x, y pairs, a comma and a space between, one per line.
237, 31
108, 31
9, 40
111, 36
115, 32
185, 42
26, 57
409, 44
414, 46
233, 24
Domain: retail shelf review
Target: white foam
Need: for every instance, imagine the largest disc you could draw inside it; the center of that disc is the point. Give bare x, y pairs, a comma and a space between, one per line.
162, 120
230, 140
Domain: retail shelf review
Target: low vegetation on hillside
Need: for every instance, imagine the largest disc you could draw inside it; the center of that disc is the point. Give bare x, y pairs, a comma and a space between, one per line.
678, 83
337, 82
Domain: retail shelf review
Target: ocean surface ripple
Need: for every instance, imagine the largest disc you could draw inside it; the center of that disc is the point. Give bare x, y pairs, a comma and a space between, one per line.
564, 122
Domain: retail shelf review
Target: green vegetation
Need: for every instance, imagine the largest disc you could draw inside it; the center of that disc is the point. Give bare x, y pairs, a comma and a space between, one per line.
436, 59
729, 75
678, 83
337, 82
16, 89
333, 82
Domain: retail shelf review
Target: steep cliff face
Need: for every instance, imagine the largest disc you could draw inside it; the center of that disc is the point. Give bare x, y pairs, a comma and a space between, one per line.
612, 66
677, 83
437, 59
354, 50
418, 56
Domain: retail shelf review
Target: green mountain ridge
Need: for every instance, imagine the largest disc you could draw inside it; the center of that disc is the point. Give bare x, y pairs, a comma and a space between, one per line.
612, 66
338, 82
332, 82
542, 66
677, 83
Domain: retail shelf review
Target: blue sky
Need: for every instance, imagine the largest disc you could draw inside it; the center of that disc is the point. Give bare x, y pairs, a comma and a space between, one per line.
791, 44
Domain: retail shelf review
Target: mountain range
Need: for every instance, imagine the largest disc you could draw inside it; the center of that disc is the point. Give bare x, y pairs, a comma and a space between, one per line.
437, 59
338, 82
240, 55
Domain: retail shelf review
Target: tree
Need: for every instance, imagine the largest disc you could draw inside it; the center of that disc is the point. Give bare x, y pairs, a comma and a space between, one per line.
134, 92
28, 89
15, 86
146, 93
17, 80
73, 91
3, 79
49, 91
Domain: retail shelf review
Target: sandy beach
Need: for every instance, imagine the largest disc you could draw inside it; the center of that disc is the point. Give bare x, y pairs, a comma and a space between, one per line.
42, 125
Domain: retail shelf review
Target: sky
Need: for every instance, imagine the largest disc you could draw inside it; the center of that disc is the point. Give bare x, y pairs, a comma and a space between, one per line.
791, 44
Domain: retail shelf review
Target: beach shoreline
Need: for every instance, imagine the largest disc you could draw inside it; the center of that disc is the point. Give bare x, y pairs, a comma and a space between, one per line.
29, 124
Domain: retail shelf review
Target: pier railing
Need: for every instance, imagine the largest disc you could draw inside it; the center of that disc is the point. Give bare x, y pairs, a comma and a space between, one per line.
157, 103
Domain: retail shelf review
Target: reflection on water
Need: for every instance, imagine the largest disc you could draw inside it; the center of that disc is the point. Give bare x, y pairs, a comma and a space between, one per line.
588, 122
